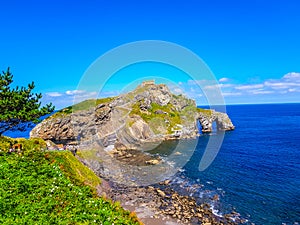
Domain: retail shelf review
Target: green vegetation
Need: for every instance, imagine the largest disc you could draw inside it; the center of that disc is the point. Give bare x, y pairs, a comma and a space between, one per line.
43, 187
19, 105
167, 120
158, 125
153, 118
88, 154
104, 100
132, 94
207, 112
32, 144
84, 105
74, 169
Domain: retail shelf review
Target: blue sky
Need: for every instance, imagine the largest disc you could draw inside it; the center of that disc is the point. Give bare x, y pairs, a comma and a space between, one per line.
252, 47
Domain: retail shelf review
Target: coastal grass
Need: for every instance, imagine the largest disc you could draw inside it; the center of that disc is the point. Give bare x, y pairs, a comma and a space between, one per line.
158, 125
88, 154
32, 144
50, 187
152, 118
168, 120
84, 105
206, 112
74, 170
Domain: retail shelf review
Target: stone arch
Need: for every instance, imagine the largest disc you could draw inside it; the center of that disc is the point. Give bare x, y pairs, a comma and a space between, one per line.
221, 120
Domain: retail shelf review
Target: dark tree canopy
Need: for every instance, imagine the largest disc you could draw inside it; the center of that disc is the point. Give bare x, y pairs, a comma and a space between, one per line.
19, 105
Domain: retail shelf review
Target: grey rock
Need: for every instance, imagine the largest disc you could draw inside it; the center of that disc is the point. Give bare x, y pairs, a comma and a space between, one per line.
222, 120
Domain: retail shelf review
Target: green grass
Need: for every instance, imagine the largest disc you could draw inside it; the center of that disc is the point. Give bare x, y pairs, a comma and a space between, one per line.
34, 144
84, 105
88, 154
207, 112
154, 119
38, 187
104, 100
74, 170
158, 125
6, 143
157, 121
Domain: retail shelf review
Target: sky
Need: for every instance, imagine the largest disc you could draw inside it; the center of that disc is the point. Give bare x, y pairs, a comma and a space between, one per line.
251, 47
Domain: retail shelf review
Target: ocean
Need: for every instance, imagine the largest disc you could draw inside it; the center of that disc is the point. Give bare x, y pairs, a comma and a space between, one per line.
257, 170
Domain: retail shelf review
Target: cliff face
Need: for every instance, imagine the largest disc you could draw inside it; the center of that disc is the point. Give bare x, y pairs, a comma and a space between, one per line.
149, 113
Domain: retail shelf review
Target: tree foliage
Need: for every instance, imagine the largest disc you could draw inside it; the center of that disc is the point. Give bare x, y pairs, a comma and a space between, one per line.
19, 105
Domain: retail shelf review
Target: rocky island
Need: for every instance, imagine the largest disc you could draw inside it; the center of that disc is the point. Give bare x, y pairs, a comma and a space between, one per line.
147, 114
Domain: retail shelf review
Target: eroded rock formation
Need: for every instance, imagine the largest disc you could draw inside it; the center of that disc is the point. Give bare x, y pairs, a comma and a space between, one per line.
222, 120
149, 113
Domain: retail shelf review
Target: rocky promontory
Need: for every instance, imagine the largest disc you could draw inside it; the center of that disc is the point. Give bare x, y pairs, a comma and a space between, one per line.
147, 114
111, 130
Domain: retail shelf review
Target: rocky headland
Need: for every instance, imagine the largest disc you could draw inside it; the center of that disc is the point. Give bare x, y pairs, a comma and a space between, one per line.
149, 113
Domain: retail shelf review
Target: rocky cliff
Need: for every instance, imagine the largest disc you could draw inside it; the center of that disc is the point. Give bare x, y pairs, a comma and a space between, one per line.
147, 114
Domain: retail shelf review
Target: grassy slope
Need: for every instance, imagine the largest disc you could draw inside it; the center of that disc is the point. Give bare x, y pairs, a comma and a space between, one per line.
84, 105
207, 112
52, 188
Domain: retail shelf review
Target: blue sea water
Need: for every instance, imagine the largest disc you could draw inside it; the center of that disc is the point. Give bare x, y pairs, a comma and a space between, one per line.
26, 128
257, 170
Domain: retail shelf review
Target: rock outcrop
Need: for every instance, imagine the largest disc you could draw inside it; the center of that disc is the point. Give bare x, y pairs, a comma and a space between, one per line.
222, 120
149, 113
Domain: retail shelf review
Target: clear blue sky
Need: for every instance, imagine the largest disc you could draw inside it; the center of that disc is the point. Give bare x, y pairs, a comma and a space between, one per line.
249, 45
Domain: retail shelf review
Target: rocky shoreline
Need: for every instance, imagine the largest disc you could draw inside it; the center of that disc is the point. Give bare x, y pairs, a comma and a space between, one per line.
160, 203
